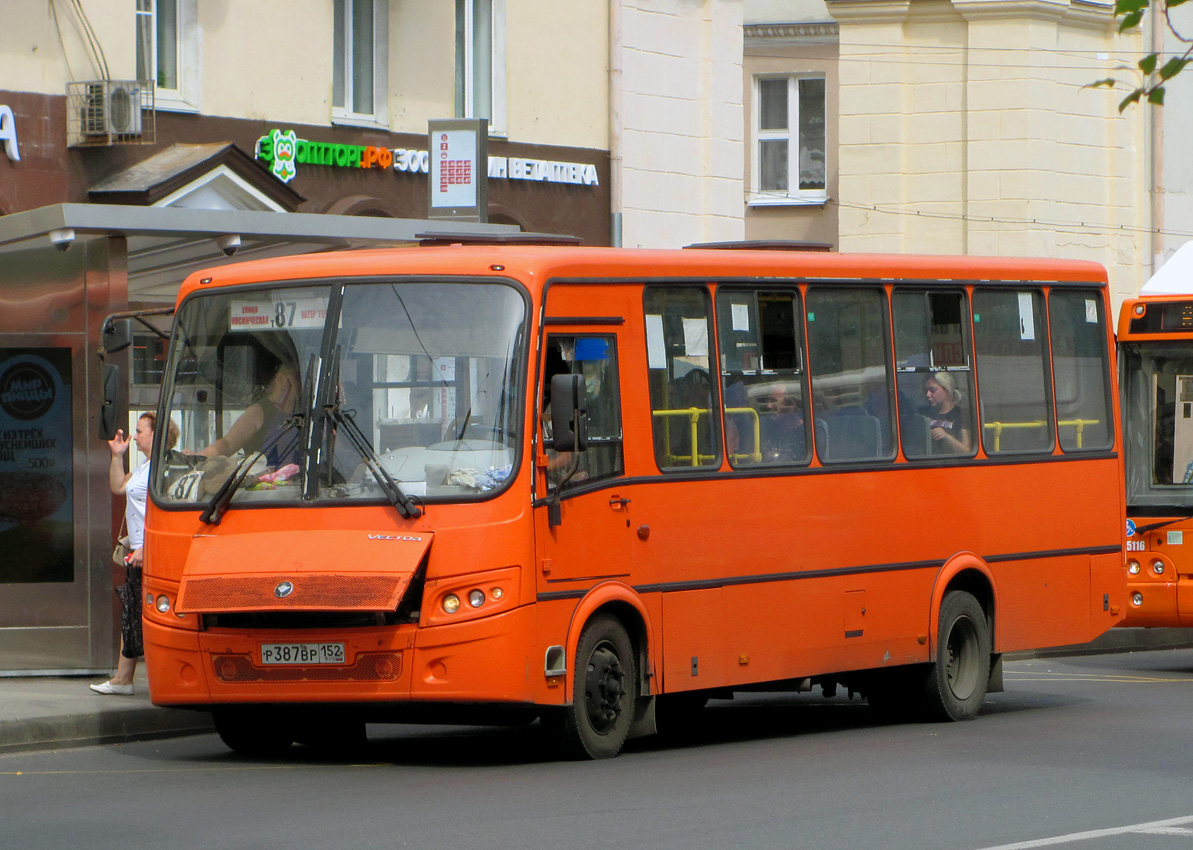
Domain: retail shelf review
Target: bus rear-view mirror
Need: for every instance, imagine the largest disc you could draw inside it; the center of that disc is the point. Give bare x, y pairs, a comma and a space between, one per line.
569, 413
117, 335
111, 404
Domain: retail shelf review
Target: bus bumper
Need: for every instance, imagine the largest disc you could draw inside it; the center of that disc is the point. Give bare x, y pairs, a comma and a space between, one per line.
483, 660
1152, 604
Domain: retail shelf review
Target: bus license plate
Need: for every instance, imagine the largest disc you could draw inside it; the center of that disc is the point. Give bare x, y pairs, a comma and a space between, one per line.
302, 653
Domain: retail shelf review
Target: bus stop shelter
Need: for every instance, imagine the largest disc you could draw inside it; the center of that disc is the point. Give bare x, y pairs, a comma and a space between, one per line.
63, 270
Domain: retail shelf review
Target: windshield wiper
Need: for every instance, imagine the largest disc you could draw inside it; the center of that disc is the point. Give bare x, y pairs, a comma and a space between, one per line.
334, 411
405, 505
1143, 529
219, 502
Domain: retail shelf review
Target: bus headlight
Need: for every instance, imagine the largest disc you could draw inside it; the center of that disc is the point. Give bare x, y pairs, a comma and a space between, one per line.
451, 603
163, 604
1158, 567
1133, 567
1137, 598
497, 593
476, 598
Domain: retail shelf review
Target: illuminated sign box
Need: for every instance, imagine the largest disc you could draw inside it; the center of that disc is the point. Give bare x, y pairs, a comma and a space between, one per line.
458, 159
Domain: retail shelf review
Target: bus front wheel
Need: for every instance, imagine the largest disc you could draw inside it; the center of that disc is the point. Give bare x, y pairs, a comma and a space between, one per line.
956, 683
604, 686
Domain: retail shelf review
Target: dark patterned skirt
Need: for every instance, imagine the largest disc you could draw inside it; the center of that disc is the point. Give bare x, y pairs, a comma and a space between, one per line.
129, 594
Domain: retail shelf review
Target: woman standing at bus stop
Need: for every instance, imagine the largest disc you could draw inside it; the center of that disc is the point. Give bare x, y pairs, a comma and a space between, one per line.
134, 486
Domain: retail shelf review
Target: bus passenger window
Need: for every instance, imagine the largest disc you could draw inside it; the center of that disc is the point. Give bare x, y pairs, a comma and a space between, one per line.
682, 399
594, 357
1012, 365
935, 382
762, 377
1081, 370
850, 367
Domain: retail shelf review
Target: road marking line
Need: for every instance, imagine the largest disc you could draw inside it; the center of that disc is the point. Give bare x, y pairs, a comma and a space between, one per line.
1086, 677
187, 769
1156, 827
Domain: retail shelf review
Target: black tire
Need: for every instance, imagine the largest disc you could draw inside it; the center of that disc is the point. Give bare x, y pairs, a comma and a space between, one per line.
604, 687
956, 683
254, 733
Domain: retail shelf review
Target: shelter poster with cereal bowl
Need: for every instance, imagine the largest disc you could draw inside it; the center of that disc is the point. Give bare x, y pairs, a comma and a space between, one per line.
36, 475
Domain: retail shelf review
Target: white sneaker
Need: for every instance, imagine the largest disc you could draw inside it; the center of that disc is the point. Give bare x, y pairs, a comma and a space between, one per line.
109, 689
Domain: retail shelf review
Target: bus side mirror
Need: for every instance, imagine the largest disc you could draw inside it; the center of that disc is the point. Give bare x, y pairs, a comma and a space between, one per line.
117, 335
111, 404
569, 413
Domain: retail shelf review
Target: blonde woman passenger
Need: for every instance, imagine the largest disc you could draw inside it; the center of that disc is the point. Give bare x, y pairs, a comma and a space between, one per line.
948, 420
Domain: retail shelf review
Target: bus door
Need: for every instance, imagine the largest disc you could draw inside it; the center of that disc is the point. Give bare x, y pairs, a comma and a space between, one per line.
583, 519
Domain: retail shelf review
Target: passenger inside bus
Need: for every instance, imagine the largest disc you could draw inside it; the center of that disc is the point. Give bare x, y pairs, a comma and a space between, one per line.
947, 422
781, 426
253, 428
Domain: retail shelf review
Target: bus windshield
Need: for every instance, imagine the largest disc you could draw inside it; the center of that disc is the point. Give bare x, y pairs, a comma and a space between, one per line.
429, 373
1158, 424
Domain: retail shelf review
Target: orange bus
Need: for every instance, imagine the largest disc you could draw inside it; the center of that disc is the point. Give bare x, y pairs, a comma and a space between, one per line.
1156, 375
600, 486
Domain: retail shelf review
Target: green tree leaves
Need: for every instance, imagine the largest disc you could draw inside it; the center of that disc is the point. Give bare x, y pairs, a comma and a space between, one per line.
1149, 73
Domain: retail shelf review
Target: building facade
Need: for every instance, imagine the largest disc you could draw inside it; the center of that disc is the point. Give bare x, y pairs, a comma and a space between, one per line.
143, 139
361, 74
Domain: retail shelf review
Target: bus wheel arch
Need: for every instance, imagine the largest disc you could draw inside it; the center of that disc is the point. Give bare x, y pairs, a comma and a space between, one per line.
969, 573
962, 643
619, 601
607, 683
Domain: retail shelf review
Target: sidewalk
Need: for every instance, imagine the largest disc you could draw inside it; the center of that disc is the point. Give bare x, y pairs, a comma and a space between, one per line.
52, 713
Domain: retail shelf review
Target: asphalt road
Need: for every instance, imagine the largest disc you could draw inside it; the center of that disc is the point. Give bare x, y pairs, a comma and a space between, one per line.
1089, 753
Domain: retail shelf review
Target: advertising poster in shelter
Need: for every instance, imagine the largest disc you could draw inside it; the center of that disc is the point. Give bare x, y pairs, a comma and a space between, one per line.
36, 475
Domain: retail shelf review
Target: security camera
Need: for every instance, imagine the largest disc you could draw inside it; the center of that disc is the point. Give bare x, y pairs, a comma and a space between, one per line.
62, 239
228, 243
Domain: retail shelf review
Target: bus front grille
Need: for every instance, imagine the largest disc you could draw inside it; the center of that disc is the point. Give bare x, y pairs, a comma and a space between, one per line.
280, 592
238, 668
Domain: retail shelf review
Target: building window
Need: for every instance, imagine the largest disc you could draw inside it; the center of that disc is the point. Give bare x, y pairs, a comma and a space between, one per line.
480, 61
168, 51
790, 145
358, 75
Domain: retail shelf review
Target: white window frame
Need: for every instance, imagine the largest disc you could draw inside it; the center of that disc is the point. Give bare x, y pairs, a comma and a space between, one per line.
184, 98
467, 37
793, 196
345, 114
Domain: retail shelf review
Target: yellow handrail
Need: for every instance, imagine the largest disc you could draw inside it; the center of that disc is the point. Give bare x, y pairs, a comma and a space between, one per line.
1079, 424
694, 414
755, 455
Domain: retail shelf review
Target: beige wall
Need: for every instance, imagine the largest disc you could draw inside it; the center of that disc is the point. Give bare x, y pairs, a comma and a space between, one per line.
966, 129
272, 59
557, 58
680, 131
34, 56
269, 59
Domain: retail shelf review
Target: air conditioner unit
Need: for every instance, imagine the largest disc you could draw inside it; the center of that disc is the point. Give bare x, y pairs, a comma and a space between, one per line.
112, 108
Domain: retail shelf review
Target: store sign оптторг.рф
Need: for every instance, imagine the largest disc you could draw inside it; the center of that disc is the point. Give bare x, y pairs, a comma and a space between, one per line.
283, 152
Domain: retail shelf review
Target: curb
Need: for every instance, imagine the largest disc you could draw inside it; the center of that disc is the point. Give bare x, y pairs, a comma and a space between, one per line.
109, 727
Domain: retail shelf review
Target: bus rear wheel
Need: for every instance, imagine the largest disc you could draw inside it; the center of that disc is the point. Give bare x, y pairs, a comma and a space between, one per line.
257, 734
604, 687
956, 683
